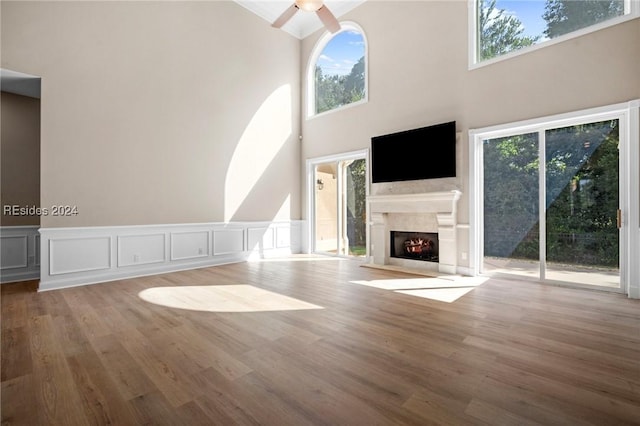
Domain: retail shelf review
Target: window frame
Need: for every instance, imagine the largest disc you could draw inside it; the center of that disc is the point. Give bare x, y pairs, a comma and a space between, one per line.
632, 11
311, 66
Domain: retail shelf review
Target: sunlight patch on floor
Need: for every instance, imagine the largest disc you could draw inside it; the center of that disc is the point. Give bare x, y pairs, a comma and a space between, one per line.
299, 258
448, 295
444, 289
223, 298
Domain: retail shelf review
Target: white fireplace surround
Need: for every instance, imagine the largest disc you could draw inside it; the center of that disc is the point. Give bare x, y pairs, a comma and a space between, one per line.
425, 212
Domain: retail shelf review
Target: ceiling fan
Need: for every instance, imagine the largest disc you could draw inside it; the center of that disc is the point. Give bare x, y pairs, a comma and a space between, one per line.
317, 6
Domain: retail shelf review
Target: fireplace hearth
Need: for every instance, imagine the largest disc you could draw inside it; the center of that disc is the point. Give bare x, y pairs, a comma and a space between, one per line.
422, 246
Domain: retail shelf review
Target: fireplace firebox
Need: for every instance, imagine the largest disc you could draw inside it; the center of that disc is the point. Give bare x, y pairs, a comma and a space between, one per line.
415, 245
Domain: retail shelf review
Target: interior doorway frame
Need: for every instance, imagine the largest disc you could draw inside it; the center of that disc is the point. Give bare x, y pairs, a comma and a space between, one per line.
311, 163
629, 115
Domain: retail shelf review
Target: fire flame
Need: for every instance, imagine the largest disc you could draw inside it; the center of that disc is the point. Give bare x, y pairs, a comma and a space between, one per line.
418, 245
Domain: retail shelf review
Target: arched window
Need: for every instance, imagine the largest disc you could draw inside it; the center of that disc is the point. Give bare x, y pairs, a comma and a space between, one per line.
337, 72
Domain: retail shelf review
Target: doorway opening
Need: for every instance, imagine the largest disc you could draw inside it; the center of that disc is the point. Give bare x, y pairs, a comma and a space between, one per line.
20, 177
338, 215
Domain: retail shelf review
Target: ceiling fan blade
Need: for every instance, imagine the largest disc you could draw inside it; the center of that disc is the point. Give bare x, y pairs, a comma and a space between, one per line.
286, 15
327, 18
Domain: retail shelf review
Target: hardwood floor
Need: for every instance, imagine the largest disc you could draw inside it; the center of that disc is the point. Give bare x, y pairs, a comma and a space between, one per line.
506, 352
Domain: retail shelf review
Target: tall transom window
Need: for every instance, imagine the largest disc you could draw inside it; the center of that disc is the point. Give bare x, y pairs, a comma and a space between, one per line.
505, 26
337, 73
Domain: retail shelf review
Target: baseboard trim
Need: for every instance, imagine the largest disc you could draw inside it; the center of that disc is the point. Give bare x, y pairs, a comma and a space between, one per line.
56, 284
8, 278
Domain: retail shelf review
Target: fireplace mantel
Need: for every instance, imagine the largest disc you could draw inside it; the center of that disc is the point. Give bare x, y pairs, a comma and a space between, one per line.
429, 202
441, 204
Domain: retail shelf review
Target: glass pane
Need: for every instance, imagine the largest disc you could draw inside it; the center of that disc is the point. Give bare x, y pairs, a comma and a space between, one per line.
326, 208
511, 214
582, 199
339, 74
565, 16
355, 207
508, 25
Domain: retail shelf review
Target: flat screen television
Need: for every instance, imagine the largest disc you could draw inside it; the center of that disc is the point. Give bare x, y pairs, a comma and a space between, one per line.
424, 153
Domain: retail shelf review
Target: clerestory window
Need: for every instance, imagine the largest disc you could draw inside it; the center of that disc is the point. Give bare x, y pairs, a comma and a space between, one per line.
337, 74
504, 26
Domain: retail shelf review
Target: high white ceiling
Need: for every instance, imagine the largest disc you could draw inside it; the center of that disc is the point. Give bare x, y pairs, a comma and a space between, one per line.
303, 23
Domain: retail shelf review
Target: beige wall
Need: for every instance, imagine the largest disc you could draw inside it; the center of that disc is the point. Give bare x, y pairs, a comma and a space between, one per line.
20, 157
418, 75
177, 112
160, 112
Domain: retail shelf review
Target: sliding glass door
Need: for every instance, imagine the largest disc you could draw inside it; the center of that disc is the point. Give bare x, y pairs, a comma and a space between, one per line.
511, 205
339, 206
551, 203
582, 202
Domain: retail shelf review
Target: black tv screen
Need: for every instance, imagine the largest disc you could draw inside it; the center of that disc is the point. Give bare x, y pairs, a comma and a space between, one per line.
424, 153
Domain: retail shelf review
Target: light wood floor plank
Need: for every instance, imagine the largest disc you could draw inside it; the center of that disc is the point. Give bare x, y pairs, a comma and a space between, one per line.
100, 397
16, 353
57, 399
507, 352
129, 379
18, 397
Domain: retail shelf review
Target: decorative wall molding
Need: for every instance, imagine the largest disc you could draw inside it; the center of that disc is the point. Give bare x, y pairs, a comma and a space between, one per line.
15, 253
190, 244
69, 255
229, 240
260, 238
19, 253
78, 256
141, 249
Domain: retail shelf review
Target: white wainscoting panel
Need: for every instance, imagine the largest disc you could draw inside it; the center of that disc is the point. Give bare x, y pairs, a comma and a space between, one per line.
19, 259
141, 249
189, 245
228, 241
283, 237
14, 252
78, 256
260, 239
